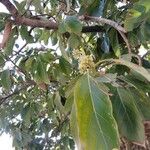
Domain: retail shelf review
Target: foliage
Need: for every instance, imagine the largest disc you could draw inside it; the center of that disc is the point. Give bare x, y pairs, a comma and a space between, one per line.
71, 73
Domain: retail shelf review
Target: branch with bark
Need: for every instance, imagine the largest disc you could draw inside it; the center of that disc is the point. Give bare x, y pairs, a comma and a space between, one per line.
18, 19
52, 25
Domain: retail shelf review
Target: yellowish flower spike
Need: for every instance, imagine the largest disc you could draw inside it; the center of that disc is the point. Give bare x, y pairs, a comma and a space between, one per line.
77, 54
86, 62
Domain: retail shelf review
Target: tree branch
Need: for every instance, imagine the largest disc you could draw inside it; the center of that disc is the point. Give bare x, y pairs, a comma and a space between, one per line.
104, 21
21, 20
48, 24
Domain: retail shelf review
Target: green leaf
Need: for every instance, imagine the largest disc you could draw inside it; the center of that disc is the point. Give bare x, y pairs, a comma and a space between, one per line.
45, 36
105, 44
143, 103
46, 57
69, 94
62, 28
73, 25
137, 81
132, 20
41, 74
62, 49
65, 66
10, 44
57, 102
26, 114
127, 115
137, 14
2, 25
115, 42
3, 16
138, 69
26, 35
133, 39
28, 63
92, 7
20, 6
54, 38
5, 79
1, 59
74, 41
92, 122
107, 78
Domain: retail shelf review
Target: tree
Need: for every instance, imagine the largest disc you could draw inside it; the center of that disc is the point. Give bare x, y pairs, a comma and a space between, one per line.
86, 84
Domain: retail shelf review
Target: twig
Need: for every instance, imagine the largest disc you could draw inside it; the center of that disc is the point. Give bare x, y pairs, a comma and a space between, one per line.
147, 53
3, 99
18, 52
7, 58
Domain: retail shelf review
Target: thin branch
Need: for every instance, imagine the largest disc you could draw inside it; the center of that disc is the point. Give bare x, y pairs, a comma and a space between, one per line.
4, 99
9, 59
104, 21
147, 53
18, 52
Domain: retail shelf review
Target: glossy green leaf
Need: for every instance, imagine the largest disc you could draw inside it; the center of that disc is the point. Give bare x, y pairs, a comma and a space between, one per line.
26, 35
132, 20
26, 114
2, 25
73, 25
57, 102
92, 7
128, 117
28, 63
69, 94
137, 14
46, 57
143, 103
41, 73
45, 36
74, 41
62, 49
6, 79
107, 78
20, 6
115, 42
1, 59
62, 28
10, 44
54, 38
105, 44
137, 82
65, 66
133, 39
138, 69
92, 121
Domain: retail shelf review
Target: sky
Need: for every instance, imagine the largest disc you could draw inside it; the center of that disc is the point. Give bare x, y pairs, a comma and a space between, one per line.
6, 142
